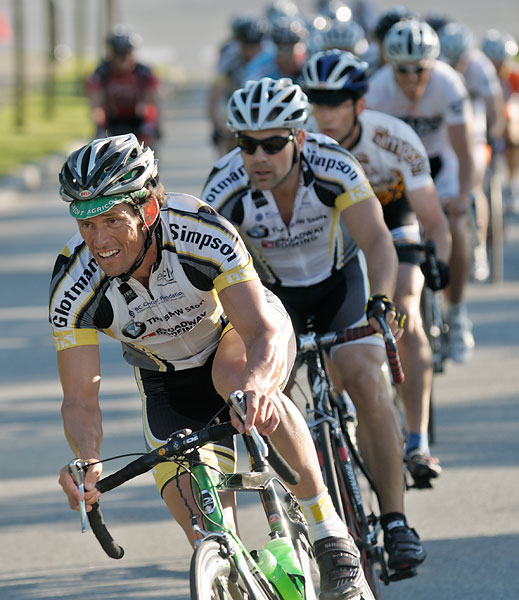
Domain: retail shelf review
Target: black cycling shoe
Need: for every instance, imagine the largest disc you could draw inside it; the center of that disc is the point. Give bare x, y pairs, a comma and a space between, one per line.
421, 465
403, 546
339, 566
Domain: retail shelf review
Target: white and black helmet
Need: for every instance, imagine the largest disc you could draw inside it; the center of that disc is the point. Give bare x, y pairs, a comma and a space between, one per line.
499, 45
268, 104
456, 41
411, 41
347, 35
108, 167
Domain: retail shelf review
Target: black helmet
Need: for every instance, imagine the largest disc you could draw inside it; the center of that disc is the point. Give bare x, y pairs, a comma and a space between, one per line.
121, 40
387, 19
249, 30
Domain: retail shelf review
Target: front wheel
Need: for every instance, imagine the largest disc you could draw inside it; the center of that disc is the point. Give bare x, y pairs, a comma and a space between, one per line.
213, 576
210, 574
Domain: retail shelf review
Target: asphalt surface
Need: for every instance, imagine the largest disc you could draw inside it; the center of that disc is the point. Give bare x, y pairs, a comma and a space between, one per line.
468, 522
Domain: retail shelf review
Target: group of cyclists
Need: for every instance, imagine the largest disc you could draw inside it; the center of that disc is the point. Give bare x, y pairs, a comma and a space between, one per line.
340, 137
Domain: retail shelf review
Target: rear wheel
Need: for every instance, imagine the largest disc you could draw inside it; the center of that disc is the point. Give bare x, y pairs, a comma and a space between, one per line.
353, 494
327, 462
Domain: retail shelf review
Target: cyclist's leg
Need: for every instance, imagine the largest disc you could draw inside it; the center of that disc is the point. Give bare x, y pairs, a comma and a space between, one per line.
164, 395
416, 356
481, 269
336, 553
460, 336
379, 433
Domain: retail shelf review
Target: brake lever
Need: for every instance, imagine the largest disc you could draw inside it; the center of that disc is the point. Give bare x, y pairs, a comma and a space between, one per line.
77, 469
237, 402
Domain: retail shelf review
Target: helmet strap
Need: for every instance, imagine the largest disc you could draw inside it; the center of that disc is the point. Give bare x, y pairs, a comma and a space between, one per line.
149, 216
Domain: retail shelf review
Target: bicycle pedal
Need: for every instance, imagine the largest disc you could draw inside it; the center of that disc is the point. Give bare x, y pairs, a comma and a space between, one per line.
401, 575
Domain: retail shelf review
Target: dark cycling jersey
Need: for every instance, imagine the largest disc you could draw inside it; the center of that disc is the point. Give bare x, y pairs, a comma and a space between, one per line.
123, 91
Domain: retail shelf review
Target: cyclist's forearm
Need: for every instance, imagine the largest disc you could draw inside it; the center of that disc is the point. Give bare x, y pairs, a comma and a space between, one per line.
441, 237
382, 266
264, 366
83, 429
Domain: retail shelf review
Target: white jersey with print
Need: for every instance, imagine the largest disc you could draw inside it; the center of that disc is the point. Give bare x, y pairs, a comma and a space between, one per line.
316, 241
444, 102
174, 323
482, 84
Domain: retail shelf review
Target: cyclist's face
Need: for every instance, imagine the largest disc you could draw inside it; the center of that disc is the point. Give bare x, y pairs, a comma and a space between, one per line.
115, 238
412, 79
335, 121
266, 171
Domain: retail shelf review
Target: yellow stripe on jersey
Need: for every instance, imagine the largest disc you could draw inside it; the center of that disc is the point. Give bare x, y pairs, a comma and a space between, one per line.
236, 275
355, 195
71, 338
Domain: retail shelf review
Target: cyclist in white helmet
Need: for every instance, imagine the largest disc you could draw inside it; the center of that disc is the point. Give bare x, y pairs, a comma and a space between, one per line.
172, 281
431, 97
488, 124
317, 235
502, 49
396, 164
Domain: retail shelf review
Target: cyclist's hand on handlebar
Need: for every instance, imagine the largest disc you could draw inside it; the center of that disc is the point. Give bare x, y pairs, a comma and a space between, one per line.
261, 412
379, 306
92, 494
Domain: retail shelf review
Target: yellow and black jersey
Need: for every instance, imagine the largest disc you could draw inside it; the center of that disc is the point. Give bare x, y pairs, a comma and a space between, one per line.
315, 242
177, 321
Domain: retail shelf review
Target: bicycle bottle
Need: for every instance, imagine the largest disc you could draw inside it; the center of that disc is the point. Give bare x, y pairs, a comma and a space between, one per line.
285, 554
275, 573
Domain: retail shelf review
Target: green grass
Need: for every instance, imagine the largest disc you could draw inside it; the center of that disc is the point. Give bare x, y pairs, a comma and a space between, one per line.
41, 136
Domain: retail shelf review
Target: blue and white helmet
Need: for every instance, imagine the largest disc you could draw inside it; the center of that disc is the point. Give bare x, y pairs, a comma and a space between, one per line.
499, 45
336, 70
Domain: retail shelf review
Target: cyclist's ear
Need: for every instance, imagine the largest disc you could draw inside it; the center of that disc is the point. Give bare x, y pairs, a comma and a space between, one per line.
360, 105
151, 211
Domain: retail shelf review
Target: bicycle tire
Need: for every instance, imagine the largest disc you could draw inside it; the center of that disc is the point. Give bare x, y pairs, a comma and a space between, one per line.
212, 575
356, 519
327, 462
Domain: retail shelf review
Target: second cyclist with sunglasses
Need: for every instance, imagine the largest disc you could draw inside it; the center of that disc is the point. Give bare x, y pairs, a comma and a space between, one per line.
316, 231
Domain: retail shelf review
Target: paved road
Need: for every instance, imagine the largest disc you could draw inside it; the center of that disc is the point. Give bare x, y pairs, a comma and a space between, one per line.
469, 522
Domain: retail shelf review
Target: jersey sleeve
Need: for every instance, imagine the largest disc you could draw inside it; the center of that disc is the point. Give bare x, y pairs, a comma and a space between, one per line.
458, 109
76, 290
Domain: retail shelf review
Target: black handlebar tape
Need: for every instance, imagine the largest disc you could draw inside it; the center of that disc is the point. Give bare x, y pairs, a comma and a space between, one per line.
131, 470
280, 465
432, 261
95, 518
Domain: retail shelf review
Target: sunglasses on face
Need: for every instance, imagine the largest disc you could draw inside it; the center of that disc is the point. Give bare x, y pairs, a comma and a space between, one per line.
410, 69
270, 145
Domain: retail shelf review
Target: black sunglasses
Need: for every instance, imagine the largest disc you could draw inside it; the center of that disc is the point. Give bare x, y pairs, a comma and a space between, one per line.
408, 69
271, 145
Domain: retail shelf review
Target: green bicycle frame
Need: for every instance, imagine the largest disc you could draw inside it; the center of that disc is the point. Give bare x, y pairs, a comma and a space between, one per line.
206, 488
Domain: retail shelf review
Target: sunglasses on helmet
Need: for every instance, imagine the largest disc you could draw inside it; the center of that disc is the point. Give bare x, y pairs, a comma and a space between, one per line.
410, 69
270, 145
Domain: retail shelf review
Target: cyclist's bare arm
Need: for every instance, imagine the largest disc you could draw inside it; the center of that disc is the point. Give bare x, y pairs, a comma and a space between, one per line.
460, 138
245, 305
98, 107
79, 371
426, 204
496, 114
365, 222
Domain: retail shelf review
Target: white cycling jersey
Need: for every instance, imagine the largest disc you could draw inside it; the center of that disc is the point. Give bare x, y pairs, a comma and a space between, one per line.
444, 102
316, 241
482, 83
177, 321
